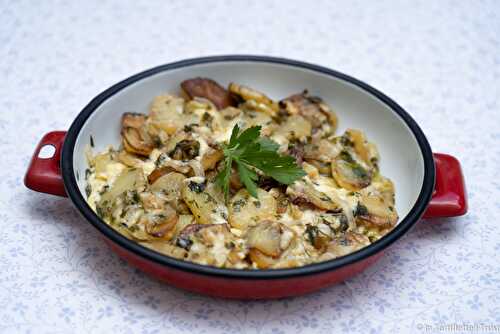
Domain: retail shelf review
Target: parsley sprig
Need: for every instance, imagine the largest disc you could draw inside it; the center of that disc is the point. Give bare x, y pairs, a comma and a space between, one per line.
250, 152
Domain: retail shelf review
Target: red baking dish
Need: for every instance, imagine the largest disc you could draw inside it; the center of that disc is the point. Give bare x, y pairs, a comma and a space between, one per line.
427, 185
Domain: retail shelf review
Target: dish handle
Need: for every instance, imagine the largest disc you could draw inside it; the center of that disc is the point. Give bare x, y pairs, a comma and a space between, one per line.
449, 198
44, 171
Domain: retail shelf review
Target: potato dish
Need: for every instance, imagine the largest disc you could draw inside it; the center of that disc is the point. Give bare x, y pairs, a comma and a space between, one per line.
229, 177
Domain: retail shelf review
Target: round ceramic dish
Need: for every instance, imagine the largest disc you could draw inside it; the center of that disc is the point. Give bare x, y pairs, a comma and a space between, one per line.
426, 183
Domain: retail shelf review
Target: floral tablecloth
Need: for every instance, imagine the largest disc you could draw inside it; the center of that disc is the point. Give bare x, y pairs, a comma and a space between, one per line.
439, 59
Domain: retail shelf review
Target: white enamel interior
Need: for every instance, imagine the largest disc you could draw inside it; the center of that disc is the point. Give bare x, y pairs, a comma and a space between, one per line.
401, 158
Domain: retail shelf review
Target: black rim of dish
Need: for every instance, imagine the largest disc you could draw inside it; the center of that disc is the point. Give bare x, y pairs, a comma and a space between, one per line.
403, 226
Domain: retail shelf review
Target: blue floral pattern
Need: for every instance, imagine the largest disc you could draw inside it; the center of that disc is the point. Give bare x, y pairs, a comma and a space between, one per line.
439, 59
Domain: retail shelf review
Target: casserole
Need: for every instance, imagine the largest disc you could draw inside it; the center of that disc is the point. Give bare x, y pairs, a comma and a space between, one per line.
426, 184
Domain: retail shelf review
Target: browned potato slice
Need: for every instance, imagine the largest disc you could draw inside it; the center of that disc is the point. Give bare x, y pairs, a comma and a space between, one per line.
186, 149
317, 238
373, 211
319, 192
133, 143
349, 174
133, 120
260, 101
311, 108
135, 139
366, 151
163, 225
211, 158
208, 89
266, 237
260, 259
385, 187
159, 172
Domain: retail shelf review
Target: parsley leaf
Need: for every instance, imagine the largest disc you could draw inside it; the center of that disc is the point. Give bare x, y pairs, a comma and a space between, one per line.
250, 152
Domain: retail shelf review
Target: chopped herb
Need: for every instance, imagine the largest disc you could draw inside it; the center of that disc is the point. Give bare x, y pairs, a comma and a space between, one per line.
91, 141
87, 173
189, 127
238, 204
99, 211
325, 198
344, 155
88, 189
346, 141
360, 210
312, 233
104, 189
256, 204
359, 171
135, 196
157, 141
184, 243
186, 149
197, 187
207, 119
160, 160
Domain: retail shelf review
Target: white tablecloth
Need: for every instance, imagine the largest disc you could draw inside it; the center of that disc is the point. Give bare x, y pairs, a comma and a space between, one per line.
439, 59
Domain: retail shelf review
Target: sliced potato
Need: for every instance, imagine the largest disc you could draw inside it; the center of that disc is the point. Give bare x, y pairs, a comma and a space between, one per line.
245, 210
135, 138
266, 237
208, 89
133, 120
129, 179
260, 259
170, 185
249, 94
366, 151
211, 158
129, 160
319, 192
323, 150
311, 108
186, 149
373, 211
346, 244
161, 225
206, 208
101, 161
137, 141
350, 174
385, 187
295, 127
166, 114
